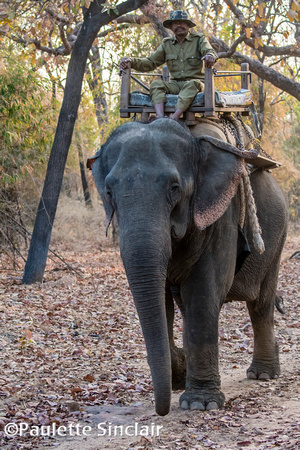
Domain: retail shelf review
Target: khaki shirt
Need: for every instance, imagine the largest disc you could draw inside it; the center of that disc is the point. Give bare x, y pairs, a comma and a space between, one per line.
183, 60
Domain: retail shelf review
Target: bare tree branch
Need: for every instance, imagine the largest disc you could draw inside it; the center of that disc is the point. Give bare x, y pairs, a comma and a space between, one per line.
236, 11
60, 51
268, 50
132, 19
64, 40
125, 26
58, 17
201, 7
157, 24
37, 43
275, 100
177, 4
125, 21
262, 71
233, 48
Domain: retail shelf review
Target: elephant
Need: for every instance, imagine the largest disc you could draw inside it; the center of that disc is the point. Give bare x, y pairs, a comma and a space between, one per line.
176, 202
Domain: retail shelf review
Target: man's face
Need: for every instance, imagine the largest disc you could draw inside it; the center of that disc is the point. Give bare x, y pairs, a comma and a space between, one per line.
180, 28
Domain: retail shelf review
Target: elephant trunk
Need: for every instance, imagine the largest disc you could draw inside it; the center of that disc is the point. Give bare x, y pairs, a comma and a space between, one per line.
146, 267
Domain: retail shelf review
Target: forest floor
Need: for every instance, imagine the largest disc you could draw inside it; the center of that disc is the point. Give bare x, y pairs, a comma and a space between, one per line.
72, 356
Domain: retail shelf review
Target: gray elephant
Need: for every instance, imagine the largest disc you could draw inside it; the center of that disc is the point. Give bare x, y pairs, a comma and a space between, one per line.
175, 197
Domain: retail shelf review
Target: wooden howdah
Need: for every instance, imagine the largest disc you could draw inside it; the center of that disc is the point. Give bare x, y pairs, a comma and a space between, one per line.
209, 110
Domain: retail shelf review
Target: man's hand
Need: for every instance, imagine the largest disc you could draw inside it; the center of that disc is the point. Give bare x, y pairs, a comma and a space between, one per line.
124, 64
209, 60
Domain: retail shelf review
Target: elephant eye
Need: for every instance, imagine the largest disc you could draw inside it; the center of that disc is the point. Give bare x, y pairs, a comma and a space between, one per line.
175, 188
109, 195
175, 193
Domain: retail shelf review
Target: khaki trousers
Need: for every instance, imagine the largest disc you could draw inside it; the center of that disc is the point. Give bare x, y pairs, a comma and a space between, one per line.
187, 91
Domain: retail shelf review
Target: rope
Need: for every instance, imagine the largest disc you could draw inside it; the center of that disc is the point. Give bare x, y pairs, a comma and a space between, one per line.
242, 203
245, 191
245, 188
252, 212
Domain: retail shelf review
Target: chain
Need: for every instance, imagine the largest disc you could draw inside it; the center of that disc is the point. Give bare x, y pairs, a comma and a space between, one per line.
224, 123
228, 126
254, 142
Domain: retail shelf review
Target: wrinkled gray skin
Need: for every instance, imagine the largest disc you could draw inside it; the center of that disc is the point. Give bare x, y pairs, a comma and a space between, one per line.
175, 199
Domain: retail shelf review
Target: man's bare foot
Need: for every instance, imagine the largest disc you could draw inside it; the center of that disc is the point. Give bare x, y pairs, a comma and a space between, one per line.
152, 118
159, 109
176, 114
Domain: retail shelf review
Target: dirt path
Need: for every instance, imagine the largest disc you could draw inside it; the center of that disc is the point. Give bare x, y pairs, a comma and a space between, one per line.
72, 356
256, 416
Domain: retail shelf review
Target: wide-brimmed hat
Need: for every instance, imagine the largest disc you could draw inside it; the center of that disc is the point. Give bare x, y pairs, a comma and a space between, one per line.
178, 15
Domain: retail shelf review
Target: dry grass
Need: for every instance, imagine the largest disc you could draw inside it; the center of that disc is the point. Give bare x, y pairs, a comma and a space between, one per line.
77, 226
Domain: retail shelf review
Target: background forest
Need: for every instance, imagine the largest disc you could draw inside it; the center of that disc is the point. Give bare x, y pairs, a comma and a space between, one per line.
71, 347
37, 39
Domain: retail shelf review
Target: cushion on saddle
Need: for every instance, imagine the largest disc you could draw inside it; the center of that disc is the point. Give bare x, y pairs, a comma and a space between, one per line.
238, 98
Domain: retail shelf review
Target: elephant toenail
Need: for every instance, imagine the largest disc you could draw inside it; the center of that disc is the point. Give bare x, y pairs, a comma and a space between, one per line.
212, 405
197, 406
251, 375
264, 376
184, 405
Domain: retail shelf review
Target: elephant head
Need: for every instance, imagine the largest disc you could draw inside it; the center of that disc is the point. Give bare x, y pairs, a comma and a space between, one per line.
160, 182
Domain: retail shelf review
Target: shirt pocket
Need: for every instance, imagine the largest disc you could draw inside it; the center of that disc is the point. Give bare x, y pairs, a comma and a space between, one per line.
172, 62
193, 61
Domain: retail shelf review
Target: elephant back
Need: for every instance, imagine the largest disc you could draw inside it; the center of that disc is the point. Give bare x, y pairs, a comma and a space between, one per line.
215, 129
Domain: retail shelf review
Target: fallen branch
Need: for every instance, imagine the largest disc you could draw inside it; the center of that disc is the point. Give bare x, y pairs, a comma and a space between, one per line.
30, 234
12, 244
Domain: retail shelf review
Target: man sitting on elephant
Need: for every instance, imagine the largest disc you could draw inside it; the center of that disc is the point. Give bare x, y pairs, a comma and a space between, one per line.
184, 54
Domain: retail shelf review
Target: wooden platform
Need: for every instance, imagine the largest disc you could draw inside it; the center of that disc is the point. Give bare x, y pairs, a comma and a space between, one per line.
208, 110
264, 163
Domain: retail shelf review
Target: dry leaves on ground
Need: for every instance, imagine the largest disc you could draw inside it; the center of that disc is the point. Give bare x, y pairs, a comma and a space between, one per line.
73, 343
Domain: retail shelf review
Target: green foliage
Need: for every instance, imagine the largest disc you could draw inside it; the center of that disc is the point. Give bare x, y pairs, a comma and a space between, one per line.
27, 124
27, 116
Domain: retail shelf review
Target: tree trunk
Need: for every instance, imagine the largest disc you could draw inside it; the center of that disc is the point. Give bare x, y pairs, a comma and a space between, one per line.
93, 20
85, 186
96, 86
261, 102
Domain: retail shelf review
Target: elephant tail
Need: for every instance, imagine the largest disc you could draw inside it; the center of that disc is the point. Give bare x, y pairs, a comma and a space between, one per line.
279, 303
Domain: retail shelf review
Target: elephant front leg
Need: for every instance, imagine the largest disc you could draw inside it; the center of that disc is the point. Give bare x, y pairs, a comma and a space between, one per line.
202, 391
177, 354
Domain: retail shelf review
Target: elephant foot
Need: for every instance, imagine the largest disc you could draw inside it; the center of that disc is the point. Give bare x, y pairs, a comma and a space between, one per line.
263, 372
208, 400
178, 369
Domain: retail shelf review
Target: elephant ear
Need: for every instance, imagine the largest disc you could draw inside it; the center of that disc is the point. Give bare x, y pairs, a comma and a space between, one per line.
219, 174
100, 171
